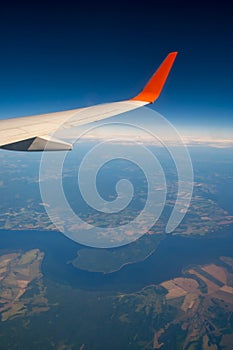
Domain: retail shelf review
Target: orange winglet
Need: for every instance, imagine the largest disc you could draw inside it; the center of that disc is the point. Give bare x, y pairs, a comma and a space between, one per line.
155, 85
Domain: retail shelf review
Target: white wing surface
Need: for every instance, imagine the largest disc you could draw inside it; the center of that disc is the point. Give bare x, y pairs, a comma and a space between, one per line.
32, 133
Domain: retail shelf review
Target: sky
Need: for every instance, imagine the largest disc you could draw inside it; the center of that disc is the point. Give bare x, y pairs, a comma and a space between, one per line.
62, 56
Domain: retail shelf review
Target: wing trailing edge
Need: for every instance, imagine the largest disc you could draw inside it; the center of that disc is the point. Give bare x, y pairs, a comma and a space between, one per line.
33, 144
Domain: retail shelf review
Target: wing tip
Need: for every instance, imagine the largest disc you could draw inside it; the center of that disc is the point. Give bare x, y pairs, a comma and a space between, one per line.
153, 88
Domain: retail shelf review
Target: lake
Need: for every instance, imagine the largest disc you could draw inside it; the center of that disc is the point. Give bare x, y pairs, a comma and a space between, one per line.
173, 254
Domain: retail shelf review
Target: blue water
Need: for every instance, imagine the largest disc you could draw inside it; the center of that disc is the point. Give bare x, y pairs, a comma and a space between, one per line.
173, 254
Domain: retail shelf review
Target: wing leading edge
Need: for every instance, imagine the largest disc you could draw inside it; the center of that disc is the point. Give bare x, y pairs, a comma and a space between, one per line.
32, 133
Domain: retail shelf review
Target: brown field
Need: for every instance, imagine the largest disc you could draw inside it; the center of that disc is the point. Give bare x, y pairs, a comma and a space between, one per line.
216, 271
188, 284
173, 290
189, 301
23, 283
227, 297
212, 287
227, 289
17, 273
3, 263
3, 270
158, 345
9, 256
179, 287
227, 341
206, 346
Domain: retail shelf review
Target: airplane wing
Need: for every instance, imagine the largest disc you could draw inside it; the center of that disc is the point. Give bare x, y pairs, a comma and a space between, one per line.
32, 133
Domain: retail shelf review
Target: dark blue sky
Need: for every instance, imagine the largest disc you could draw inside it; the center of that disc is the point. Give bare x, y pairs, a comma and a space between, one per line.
56, 57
